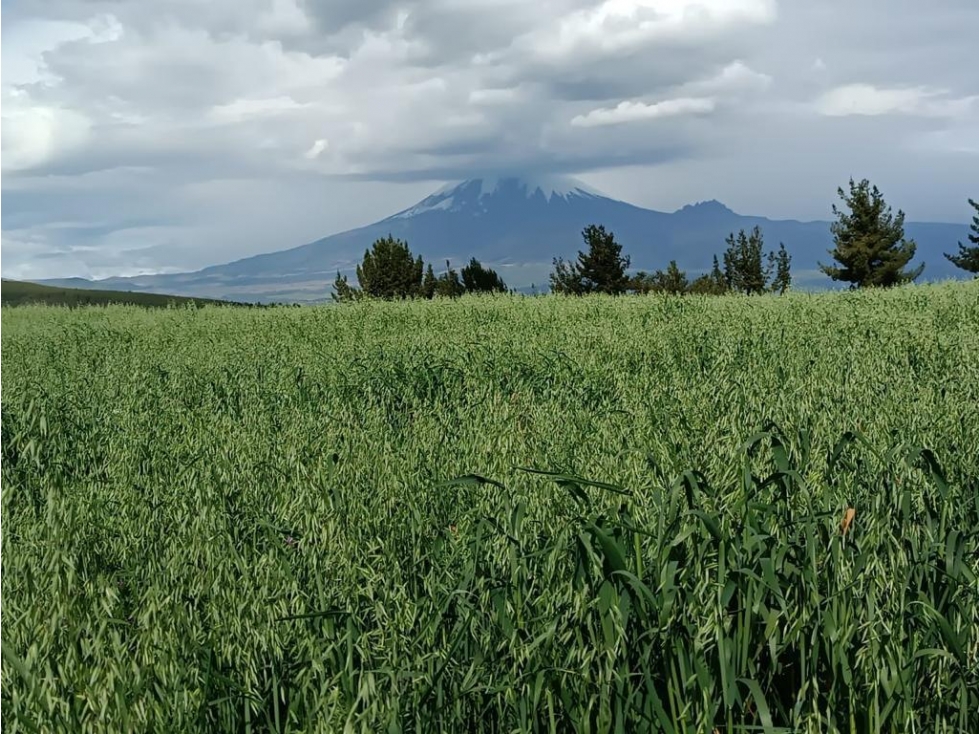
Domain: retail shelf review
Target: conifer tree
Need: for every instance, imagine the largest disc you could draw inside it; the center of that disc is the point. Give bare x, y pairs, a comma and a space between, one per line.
710, 284
343, 291
782, 262
642, 282
429, 283
717, 278
479, 279
448, 284
674, 280
602, 269
566, 279
870, 247
745, 270
389, 270
968, 255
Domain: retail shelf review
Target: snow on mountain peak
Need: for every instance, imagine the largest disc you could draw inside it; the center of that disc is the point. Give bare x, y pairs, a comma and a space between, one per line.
549, 186
473, 192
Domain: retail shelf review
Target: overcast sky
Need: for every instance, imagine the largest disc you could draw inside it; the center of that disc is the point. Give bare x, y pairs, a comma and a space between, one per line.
149, 136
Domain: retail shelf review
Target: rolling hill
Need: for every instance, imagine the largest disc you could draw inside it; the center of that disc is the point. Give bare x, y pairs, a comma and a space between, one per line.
21, 293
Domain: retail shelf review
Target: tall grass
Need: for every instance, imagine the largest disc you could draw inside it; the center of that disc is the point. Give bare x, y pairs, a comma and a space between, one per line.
497, 514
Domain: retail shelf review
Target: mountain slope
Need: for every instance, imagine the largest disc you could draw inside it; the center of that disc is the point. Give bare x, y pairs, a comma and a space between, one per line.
519, 224
21, 293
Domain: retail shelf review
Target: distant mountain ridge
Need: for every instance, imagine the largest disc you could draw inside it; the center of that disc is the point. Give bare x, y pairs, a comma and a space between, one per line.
518, 224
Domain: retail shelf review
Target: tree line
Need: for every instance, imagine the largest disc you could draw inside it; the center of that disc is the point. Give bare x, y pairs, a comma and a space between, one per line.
870, 250
389, 271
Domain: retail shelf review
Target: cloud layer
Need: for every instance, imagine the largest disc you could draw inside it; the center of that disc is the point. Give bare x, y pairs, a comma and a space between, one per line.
143, 136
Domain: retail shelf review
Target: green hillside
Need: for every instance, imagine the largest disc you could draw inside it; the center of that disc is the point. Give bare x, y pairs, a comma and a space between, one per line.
20, 293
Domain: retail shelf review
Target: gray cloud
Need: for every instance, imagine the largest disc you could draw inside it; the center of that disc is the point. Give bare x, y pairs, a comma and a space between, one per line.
175, 134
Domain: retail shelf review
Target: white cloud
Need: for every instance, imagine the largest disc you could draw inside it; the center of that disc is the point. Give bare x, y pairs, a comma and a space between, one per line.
621, 25
243, 109
36, 134
632, 111
493, 96
866, 99
316, 149
734, 79
285, 17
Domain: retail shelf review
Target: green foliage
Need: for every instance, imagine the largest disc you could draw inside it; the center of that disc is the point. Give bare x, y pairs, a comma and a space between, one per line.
602, 269
747, 269
322, 519
479, 279
782, 263
713, 283
343, 291
673, 281
389, 271
565, 278
869, 241
448, 284
429, 283
968, 255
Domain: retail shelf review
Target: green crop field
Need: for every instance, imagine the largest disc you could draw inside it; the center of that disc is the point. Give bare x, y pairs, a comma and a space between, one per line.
495, 515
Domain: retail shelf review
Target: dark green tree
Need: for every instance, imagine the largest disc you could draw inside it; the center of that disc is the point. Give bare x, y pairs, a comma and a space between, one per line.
479, 279
429, 283
745, 270
870, 248
968, 255
389, 270
448, 284
673, 280
602, 269
782, 262
566, 279
343, 291
711, 284
643, 282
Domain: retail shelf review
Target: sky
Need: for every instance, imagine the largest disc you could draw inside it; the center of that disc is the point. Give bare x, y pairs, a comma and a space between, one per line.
168, 135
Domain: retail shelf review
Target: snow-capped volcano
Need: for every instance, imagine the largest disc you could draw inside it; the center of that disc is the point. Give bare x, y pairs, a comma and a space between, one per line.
478, 195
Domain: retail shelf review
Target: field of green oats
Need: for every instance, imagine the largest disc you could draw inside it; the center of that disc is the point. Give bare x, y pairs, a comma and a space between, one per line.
495, 514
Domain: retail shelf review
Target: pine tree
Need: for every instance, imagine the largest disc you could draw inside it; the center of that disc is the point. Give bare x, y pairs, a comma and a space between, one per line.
869, 241
642, 282
710, 284
673, 281
782, 262
968, 255
602, 268
389, 270
448, 284
717, 278
429, 283
744, 264
479, 279
343, 291
566, 279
